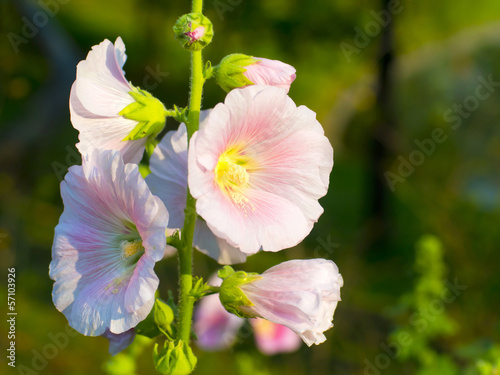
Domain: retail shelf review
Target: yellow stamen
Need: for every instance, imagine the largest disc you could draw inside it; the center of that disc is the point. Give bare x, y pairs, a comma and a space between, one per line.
228, 171
130, 248
231, 174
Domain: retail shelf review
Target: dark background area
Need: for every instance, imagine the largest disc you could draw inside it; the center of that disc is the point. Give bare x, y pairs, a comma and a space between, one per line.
402, 91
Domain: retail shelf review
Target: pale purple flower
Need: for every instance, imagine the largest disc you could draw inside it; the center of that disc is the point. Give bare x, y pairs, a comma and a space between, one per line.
257, 168
98, 95
272, 338
120, 341
270, 72
299, 294
168, 180
215, 328
110, 235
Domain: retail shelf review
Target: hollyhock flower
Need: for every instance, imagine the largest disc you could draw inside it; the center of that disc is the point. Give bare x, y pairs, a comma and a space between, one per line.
215, 328
107, 110
238, 70
119, 342
110, 235
257, 168
299, 294
168, 180
272, 338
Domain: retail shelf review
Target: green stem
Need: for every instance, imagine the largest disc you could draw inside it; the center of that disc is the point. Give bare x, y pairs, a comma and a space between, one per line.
197, 6
186, 301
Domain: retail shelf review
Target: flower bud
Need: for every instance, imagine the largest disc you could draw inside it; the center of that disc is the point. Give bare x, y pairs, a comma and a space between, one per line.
174, 359
194, 31
238, 70
299, 294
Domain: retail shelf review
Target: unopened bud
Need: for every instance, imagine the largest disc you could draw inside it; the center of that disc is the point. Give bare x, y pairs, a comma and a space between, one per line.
194, 31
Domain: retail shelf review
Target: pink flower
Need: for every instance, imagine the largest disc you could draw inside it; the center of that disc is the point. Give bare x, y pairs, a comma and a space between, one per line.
119, 342
110, 235
168, 180
97, 97
215, 328
270, 72
299, 294
272, 338
257, 168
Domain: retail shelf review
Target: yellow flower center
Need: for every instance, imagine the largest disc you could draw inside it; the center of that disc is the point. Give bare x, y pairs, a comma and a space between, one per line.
131, 248
228, 172
231, 174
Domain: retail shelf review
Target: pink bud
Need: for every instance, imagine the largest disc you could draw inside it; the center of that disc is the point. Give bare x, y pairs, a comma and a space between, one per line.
196, 34
270, 72
299, 294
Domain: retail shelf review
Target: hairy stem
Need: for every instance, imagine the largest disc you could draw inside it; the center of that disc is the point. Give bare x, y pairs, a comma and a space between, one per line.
186, 301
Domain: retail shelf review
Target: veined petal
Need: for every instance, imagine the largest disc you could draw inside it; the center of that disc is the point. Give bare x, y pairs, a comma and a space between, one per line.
257, 169
110, 235
168, 180
98, 96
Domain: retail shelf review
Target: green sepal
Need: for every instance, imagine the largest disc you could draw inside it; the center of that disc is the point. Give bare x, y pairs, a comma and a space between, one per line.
164, 318
201, 289
230, 294
180, 114
175, 358
229, 73
148, 111
208, 70
174, 239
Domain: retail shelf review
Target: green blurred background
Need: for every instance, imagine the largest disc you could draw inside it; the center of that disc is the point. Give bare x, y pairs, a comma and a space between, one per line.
379, 89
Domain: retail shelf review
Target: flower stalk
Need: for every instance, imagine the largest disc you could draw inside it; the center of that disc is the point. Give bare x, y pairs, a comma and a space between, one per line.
186, 300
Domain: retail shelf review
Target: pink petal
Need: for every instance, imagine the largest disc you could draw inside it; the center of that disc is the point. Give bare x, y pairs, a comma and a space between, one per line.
168, 180
270, 72
291, 162
106, 202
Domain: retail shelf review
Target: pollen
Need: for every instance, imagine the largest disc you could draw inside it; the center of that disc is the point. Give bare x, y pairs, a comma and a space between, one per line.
231, 174
131, 248
228, 171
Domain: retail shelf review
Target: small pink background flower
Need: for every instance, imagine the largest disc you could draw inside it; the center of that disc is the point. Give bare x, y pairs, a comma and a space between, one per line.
270, 72
110, 235
168, 180
272, 338
257, 168
98, 95
215, 328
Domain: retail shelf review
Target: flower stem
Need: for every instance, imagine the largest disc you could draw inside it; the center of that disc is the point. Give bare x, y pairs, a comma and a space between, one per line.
186, 301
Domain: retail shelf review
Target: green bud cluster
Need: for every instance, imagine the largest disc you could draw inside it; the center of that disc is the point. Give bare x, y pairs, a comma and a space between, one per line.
175, 358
